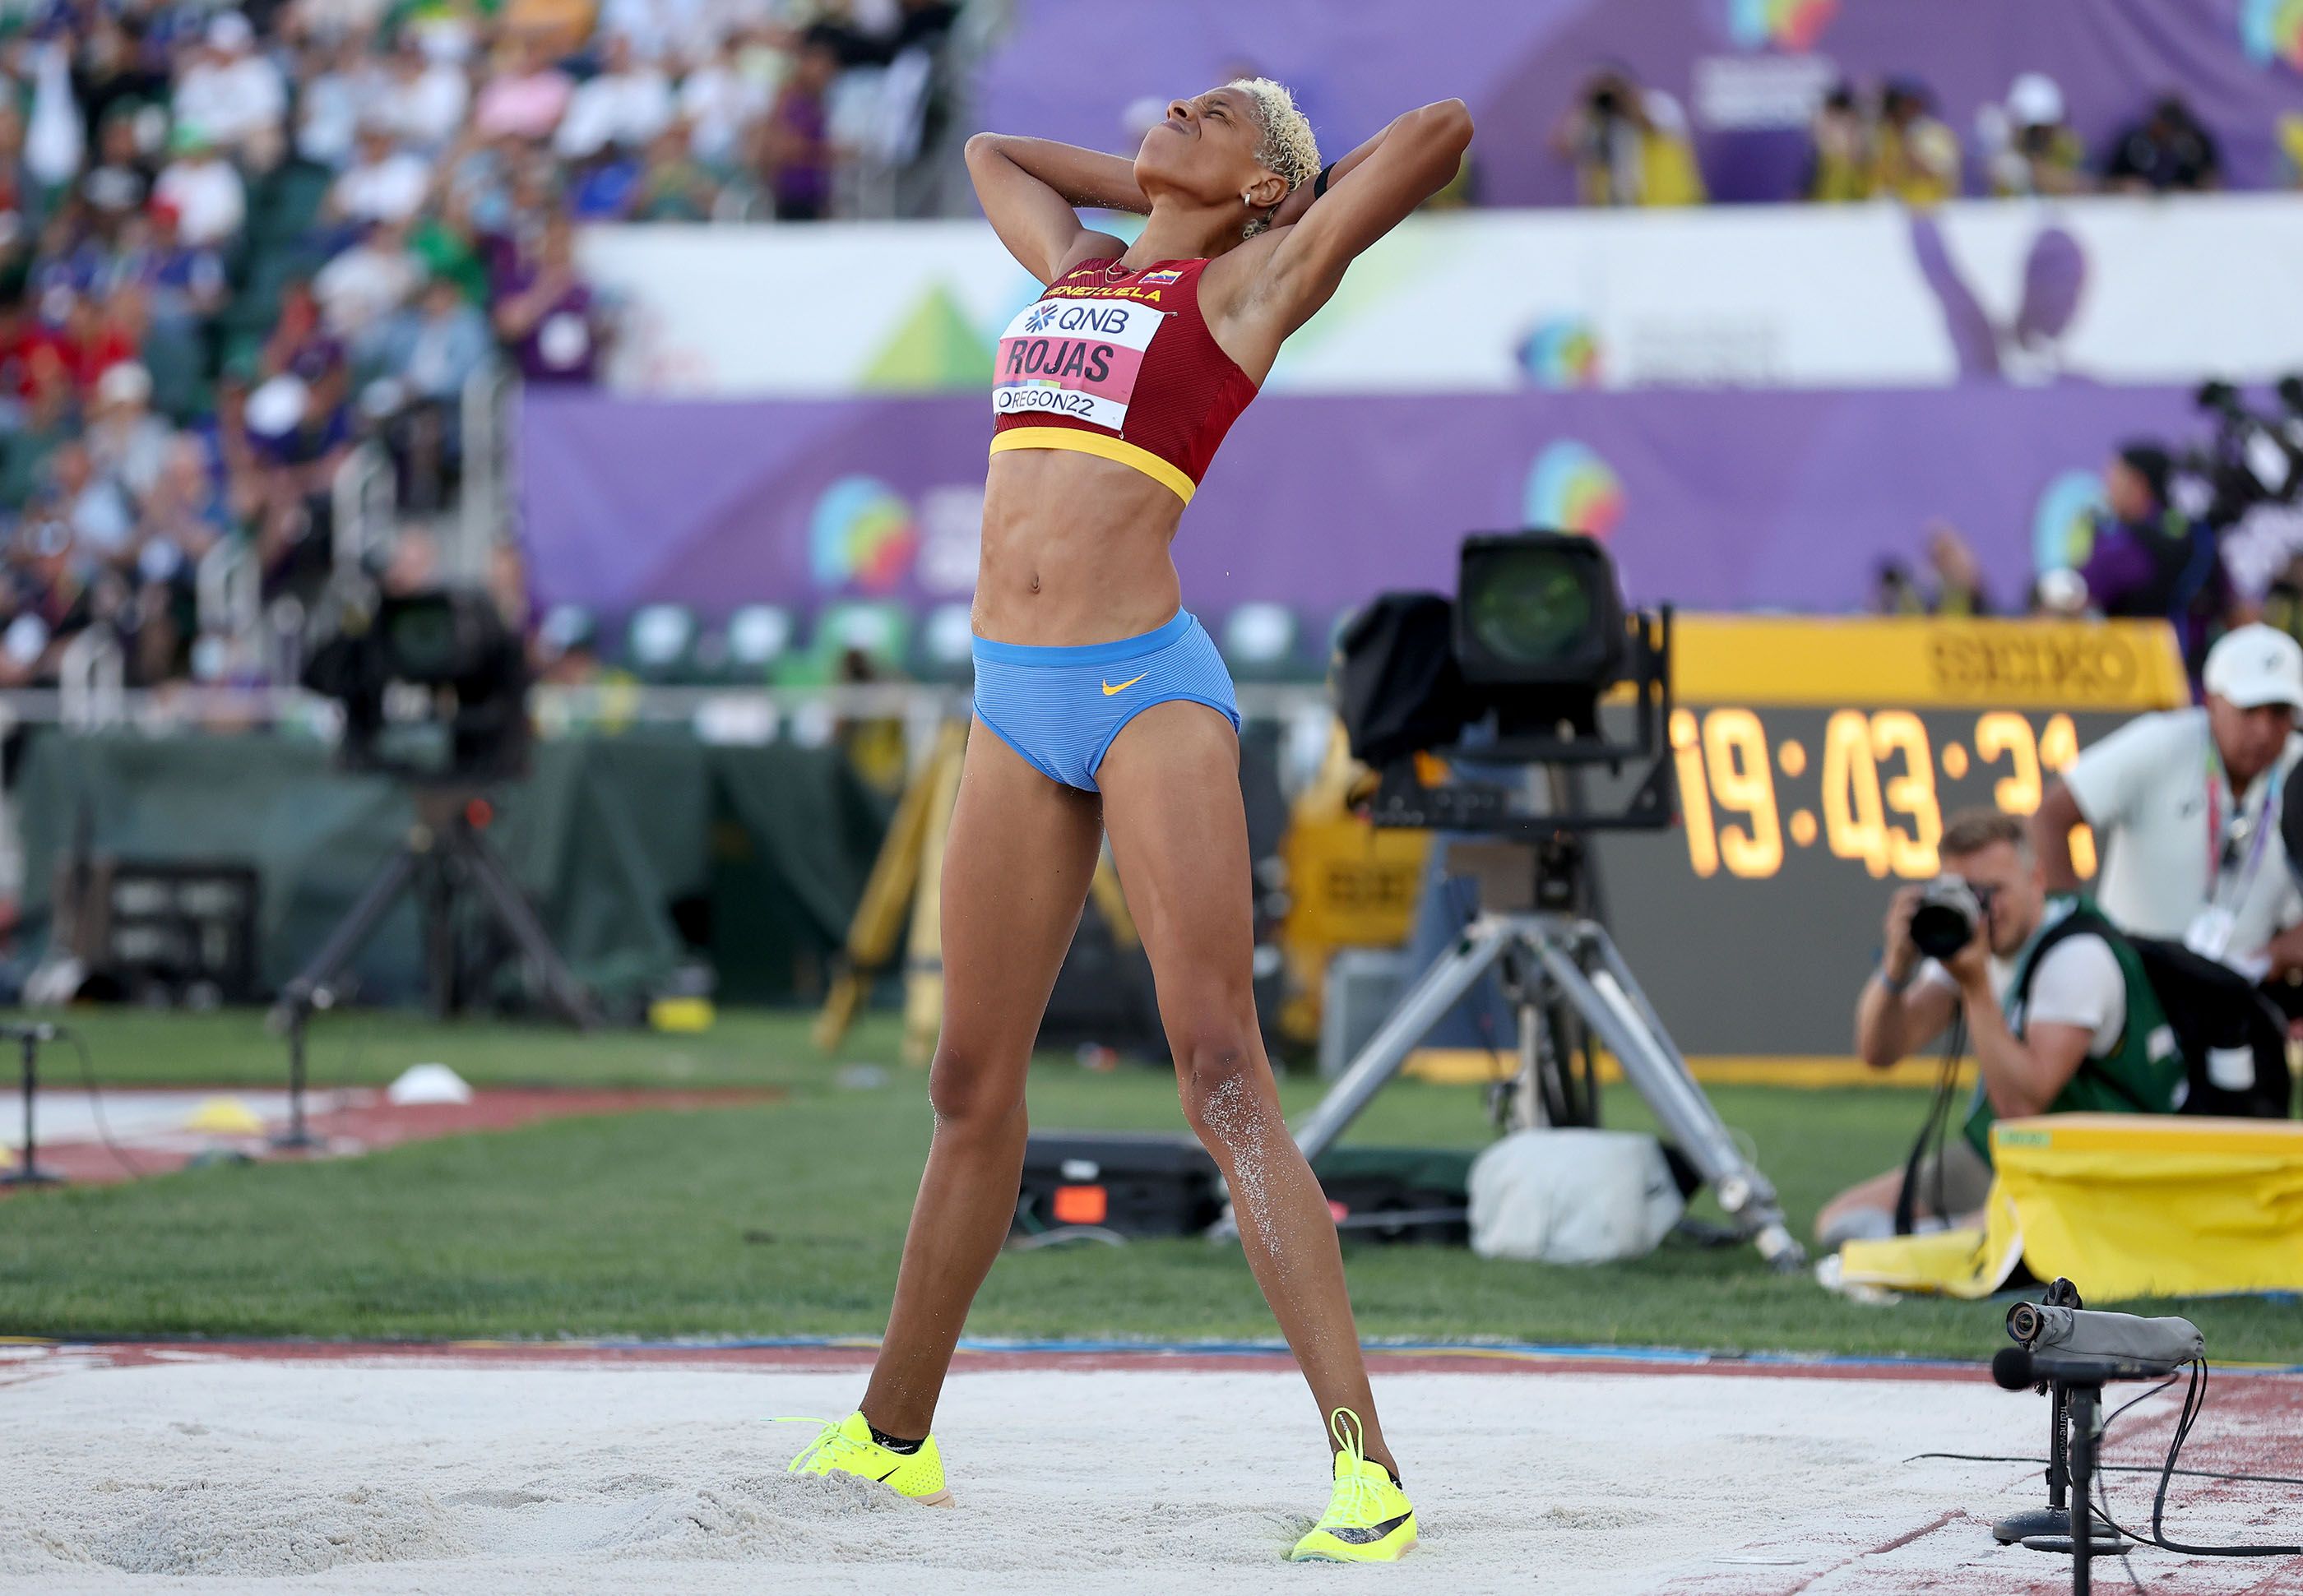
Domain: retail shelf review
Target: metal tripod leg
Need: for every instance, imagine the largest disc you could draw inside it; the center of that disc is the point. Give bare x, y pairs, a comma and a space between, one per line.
351, 934
1436, 992
1613, 1003
518, 919
1627, 1023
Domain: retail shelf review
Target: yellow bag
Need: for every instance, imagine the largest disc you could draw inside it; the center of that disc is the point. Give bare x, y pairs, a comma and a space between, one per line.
2123, 1205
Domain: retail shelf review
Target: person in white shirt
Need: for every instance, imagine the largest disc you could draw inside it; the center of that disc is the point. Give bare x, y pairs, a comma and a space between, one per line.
384, 183
2185, 807
125, 440
234, 94
366, 283
626, 105
721, 104
337, 89
2030, 1046
426, 97
209, 200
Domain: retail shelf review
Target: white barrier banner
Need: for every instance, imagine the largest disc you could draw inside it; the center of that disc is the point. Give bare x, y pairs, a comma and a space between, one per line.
2111, 290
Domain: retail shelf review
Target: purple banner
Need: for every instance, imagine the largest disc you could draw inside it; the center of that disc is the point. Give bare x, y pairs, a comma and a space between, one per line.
1714, 500
1068, 71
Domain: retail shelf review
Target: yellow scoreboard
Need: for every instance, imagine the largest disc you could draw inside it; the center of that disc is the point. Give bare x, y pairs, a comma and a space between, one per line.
1816, 761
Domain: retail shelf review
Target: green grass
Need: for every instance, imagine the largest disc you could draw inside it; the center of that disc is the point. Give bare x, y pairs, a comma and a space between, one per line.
786, 1219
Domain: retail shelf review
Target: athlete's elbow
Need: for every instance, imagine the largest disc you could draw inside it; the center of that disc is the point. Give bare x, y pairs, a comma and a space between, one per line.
1447, 123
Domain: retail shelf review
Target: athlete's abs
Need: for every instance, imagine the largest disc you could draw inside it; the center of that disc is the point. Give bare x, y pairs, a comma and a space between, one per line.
1075, 550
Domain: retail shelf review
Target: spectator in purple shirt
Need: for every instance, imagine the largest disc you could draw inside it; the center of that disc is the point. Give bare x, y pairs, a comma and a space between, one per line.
545, 314
796, 139
2151, 560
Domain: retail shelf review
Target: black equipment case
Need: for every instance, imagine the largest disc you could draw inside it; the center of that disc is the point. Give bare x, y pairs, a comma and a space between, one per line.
1142, 1183
1135, 1183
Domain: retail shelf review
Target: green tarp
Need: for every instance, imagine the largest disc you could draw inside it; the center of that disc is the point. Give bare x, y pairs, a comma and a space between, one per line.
642, 852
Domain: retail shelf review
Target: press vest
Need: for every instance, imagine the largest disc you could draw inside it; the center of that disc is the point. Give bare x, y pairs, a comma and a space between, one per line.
2144, 1074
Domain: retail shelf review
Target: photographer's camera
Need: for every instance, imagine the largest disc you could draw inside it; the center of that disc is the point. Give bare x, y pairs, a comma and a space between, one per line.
1950, 912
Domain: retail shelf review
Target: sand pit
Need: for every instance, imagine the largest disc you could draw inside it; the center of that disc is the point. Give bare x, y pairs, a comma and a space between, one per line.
512, 1472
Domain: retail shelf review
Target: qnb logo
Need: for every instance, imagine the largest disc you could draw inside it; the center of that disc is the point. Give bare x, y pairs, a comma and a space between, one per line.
1571, 488
2272, 30
1073, 318
1783, 24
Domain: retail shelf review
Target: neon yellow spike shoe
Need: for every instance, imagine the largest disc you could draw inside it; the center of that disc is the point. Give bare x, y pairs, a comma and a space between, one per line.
845, 1447
1368, 1518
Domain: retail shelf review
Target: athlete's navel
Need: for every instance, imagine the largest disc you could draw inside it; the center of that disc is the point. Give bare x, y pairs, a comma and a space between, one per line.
1035, 581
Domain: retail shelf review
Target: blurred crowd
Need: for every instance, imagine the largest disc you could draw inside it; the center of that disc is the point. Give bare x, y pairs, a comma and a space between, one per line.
2158, 545
237, 243
2143, 552
1631, 146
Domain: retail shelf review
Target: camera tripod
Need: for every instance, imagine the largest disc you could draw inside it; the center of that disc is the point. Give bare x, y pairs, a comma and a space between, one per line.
446, 857
1553, 961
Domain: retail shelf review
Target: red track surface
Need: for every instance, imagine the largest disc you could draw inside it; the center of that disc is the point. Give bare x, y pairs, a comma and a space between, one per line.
373, 1123
2272, 1401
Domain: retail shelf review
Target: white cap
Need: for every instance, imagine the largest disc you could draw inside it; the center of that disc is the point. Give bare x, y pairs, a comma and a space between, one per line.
125, 383
2036, 100
2255, 666
230, 30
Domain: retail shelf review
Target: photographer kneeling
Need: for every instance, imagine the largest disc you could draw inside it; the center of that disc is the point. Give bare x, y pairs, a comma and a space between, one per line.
2061, 1017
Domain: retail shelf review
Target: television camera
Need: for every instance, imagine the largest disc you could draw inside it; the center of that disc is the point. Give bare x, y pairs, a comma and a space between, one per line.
2251, 460
433, 685
1481, 716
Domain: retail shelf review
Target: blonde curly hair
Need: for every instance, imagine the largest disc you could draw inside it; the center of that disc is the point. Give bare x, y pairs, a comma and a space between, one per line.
1289, 147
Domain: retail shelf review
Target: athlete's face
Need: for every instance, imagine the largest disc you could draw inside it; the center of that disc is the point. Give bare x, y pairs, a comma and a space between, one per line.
1205, 151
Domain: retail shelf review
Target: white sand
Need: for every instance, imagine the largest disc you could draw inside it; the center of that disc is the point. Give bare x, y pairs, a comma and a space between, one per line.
243, 1474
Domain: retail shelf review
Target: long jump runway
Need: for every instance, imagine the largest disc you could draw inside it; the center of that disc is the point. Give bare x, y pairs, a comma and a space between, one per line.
510, 1470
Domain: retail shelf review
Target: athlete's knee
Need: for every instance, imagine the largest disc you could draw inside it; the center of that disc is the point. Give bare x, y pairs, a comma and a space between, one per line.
1219, 1076
972, 1093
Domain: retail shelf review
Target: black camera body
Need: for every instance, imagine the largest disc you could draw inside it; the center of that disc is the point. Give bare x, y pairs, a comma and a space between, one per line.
1950, 910
433, 687
1510, 671
2251, 460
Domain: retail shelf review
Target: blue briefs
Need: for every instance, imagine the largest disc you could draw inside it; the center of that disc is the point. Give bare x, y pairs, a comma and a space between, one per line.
1060, 708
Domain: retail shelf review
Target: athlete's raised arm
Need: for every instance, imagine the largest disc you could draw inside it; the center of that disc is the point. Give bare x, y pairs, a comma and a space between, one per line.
1028, 187
1369, 191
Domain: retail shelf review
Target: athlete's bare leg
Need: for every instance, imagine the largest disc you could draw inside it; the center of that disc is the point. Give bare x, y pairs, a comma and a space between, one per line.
1015, 872
1179, 837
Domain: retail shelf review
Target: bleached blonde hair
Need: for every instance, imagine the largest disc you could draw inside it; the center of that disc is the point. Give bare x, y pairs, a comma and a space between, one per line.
1289, 147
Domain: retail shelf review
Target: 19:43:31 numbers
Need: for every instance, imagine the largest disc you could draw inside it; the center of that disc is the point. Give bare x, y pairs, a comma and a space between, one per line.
1879, 799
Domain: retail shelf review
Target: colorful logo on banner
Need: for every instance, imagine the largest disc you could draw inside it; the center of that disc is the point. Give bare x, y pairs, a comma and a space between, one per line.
1561, 353
2273, 30
2063, 528
863, 534
1786, 24
1571, 488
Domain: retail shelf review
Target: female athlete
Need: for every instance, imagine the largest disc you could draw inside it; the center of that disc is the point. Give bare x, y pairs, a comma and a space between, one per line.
1101, 705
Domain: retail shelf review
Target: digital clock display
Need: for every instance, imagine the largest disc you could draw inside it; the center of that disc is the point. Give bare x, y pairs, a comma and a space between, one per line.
1816, 763
1872, 786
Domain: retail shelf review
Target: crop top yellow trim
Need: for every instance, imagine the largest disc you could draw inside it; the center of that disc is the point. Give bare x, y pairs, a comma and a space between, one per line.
1098, 443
